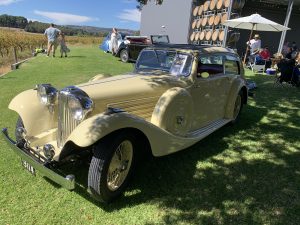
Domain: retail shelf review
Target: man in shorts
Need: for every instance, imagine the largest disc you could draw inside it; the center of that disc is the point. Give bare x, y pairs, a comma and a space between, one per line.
52, 33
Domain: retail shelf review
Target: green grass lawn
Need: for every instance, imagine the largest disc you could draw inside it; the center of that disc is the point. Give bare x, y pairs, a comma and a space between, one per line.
243, 174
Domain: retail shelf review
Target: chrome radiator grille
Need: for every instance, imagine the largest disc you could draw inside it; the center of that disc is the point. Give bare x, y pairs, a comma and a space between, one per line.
66, 122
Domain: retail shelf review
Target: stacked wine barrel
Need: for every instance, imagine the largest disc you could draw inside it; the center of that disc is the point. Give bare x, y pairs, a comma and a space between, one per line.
206, 26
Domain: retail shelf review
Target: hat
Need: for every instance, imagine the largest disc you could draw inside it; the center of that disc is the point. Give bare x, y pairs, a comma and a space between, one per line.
256, 35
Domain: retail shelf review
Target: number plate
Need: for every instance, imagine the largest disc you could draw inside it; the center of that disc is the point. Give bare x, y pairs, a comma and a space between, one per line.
28, 167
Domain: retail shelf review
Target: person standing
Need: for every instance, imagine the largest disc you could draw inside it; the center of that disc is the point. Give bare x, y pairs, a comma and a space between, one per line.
114, 41
255, 46
52, 33
63, 46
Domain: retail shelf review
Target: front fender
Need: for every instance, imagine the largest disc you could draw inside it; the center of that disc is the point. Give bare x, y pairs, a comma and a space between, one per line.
97, 127
32, 112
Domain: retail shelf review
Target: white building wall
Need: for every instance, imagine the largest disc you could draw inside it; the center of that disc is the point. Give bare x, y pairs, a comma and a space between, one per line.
171, 18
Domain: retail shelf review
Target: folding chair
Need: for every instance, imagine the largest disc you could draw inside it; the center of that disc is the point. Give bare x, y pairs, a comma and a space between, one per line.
255, 66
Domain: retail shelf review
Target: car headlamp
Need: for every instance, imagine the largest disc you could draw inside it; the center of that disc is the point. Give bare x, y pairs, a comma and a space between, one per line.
80, 107
46, 94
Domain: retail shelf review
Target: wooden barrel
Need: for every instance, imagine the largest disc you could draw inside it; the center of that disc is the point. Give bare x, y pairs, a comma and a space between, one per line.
195, 11
221, 35
224, 18
211, 20
213, 4
192, 37
197, 36
217, 19
204, 21
238, 4
220, 4
215, 35
194, 24
199, 23
202, 35
200, 10
226, 3
208, 35
206, 6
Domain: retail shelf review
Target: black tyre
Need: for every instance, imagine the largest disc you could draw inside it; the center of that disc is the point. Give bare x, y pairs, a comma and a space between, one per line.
19, 139
124, 56
238, 105
111, 166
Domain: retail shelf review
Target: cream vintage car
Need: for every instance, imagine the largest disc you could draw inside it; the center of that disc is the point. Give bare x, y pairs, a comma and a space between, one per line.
176, 96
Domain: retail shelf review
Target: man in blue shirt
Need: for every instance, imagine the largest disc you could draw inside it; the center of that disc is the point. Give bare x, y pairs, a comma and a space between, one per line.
52, 33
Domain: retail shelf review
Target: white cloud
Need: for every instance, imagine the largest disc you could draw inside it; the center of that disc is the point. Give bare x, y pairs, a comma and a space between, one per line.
8, 2
65, 18
133, 15
129, 1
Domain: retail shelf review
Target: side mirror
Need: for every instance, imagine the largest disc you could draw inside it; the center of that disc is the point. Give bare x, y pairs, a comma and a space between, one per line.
204, 74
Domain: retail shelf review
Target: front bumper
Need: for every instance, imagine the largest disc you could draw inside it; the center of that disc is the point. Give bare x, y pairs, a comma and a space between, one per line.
67, 182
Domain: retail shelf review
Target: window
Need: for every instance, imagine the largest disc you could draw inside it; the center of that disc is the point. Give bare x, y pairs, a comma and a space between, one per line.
212, 64
175, 63
231, 65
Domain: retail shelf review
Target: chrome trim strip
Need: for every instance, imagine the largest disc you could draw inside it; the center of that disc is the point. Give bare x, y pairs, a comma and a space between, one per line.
67, 182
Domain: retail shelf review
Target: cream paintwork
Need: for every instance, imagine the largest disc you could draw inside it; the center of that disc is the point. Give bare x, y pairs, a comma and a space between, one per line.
162, 142
141, 97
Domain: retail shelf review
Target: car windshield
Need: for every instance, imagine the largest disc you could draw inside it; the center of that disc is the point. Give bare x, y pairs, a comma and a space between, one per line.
175, 63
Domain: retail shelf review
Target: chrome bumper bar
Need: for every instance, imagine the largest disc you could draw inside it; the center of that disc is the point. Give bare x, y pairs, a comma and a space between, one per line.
67, 182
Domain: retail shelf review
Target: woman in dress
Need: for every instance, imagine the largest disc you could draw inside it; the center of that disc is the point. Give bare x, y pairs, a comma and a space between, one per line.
114, 41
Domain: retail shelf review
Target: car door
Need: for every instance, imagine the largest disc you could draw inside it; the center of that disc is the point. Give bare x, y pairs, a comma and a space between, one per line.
210, 93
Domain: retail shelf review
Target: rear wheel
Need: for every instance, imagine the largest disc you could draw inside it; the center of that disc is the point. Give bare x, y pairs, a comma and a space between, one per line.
124, 56
238, 105
111, 166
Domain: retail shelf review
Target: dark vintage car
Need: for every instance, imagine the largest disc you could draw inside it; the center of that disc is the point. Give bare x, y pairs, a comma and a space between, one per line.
130, 49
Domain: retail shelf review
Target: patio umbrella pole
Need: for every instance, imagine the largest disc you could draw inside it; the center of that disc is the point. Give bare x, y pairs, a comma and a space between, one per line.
247, 49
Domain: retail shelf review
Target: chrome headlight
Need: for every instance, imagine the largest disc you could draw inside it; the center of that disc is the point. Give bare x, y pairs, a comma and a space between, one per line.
46, 94
80, 107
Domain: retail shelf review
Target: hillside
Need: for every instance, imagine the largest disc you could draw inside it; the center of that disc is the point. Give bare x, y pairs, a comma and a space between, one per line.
39, 27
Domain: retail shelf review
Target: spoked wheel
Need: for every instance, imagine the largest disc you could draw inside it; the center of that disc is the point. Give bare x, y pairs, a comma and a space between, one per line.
238, 105
124, 56
111, 166
120, 165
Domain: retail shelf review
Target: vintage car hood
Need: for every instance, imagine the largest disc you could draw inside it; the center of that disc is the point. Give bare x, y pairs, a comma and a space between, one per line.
134, 93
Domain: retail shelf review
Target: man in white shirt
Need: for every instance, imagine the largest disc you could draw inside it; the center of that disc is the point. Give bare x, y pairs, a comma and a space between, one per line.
255, 44
52, 33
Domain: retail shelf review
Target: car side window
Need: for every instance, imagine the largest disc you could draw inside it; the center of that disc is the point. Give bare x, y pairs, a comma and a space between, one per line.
212, 64
231, 65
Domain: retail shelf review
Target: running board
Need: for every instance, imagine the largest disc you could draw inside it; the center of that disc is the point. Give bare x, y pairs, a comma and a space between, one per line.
208, 129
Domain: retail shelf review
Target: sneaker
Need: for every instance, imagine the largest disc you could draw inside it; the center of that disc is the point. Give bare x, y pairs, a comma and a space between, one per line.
53, 56
66, 56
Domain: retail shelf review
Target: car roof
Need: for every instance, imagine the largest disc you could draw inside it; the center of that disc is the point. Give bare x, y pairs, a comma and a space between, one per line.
200, 48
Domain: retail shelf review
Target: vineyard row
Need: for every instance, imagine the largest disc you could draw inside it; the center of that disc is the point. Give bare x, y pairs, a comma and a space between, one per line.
19, 41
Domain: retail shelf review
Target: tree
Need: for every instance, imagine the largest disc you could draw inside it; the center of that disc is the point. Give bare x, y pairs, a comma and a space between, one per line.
144, 2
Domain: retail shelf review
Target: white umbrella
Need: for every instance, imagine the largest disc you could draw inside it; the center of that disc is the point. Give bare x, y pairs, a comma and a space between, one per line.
254, 22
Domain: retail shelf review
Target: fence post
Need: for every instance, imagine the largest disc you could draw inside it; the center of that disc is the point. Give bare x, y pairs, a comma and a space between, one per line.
15, 54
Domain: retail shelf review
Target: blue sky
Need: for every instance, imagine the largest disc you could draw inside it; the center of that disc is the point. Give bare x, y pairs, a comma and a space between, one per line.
99, 13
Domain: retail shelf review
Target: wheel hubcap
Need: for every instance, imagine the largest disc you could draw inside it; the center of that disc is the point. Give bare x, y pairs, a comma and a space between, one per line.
119, 165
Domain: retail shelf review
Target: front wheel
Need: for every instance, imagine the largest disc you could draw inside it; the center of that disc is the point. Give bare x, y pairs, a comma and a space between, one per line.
111, 166
124, 56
